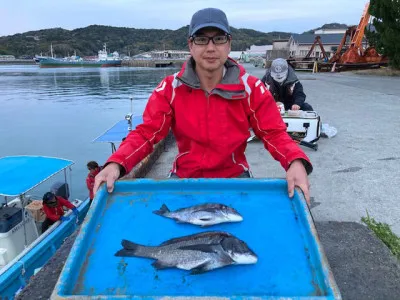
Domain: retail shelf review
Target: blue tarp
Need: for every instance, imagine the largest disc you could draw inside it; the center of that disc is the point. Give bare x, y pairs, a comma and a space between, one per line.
19, 174
118, 131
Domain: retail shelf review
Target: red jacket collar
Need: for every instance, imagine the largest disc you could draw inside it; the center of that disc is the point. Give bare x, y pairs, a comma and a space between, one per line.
231, 86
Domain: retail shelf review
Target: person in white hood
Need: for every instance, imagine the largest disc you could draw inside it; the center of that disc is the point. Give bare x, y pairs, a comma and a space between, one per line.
285, 87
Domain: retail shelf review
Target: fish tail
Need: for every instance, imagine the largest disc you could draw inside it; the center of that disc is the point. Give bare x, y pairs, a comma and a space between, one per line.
130, 249
162, 211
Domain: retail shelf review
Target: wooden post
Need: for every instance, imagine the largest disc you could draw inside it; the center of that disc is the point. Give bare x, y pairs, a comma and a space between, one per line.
333, 67
315, 67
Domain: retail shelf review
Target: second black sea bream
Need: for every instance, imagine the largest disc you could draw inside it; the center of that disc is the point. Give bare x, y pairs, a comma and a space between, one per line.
198, 253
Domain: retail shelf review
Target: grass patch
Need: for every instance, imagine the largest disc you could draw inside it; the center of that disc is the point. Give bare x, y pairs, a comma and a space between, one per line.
384, 233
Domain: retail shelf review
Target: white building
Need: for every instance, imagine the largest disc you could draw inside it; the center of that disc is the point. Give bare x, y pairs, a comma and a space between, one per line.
170, 54
7, 57
162, 55
261, 51
298, 45
236, 55
330, 31
281, 44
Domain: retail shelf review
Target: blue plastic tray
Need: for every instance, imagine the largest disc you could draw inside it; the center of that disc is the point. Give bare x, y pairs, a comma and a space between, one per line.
280, 230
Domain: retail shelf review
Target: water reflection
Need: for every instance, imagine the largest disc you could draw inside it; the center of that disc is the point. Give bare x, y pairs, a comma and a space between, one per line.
104, 78
58, 112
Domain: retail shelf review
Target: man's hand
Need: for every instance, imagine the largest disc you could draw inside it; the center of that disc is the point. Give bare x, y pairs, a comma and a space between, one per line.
297, 176
295, 107
109, 175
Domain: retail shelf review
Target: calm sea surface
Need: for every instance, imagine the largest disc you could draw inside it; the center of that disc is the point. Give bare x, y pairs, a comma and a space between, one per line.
58, 112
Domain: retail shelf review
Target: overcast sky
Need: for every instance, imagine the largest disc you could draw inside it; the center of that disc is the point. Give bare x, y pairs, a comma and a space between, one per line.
296, 16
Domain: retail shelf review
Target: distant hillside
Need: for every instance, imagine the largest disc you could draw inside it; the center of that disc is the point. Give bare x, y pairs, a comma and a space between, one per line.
329, 26
88, 40
129, 41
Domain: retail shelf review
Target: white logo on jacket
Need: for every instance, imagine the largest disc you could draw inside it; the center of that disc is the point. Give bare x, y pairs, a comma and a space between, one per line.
161, 86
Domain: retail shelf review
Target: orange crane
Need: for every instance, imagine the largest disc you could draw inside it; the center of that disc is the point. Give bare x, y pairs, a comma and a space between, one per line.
316, 41
355, 52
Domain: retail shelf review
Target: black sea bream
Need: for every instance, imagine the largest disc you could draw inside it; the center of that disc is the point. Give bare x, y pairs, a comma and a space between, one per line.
198, 253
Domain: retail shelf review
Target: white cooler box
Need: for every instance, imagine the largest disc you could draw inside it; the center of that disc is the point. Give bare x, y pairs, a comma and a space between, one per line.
304, 127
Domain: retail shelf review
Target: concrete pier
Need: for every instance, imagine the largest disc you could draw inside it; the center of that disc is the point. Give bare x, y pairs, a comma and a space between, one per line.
153, 63
17, 62
355, 171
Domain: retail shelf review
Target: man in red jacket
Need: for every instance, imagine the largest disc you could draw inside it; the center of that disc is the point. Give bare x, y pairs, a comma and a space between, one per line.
210, 106
53, 208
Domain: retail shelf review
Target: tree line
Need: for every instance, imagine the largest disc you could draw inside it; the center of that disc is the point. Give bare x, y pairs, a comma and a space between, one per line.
386, 38
130, 41
89, 40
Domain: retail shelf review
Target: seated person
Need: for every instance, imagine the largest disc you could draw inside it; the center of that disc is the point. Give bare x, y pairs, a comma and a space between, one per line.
94, 169
285, 87
53, 208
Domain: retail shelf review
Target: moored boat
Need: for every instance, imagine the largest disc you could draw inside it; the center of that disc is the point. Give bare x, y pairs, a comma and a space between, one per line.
24, 249
103, 60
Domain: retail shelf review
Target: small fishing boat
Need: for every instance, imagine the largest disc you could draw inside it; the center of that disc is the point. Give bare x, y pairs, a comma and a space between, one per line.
24, 249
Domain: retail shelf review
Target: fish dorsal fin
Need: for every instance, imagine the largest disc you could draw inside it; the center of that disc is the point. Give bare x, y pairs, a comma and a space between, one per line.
195, 236
209, 248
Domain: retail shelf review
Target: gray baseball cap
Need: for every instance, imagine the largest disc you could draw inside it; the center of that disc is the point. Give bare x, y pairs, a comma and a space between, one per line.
279, 70
209, 17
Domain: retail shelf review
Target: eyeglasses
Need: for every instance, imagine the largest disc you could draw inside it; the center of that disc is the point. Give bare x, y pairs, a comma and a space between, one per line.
217, 40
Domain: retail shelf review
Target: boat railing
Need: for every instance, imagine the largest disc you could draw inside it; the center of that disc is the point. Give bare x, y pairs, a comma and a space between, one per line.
36, 241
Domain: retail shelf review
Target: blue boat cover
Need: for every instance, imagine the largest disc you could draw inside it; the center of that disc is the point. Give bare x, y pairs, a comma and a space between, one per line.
19, 174
120, 130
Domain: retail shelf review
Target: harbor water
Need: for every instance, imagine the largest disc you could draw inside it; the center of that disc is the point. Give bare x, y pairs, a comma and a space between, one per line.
59, 112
